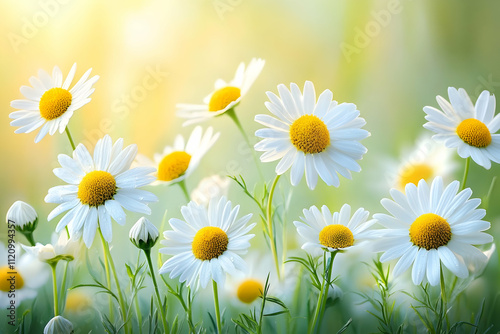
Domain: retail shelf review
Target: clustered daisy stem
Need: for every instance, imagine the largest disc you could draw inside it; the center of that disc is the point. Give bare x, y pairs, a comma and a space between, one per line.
70, 138
217, 310
153, 278
270, 225
323, 294
466, 173
182, 184
54, 287
108, 258
444, 299
231, 113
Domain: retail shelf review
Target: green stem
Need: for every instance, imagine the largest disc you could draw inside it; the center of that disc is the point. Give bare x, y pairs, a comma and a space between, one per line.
270, 225
70, 138
67, 231
323, 295
466, 173
29, 236
160, 306
182, 184
63, 284
327, 288
443, 293
217, 311
231, 113
117, 282
108, 275
54, 287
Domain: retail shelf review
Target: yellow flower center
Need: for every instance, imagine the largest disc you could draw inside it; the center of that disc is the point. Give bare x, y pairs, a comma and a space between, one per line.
249, 290
474, 132
173, 165
336, 236
430, 231
77, 301
9, 281
54, 103
210, 242
414, 173
222, 97
309, 134
96, 188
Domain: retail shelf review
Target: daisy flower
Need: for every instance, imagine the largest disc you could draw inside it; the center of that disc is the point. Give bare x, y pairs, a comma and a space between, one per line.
320, 137
426, 160
30, 275
430, 226
468, 128
177, 162
50, 103
225, 95
324, 231
208, 244
61, 248
98, 187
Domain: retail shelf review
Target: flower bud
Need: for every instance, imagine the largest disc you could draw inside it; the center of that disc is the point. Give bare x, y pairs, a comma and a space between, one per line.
58, 325
23, 216
144, 234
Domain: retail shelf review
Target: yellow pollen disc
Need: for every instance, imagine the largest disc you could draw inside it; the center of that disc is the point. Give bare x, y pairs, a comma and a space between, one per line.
96, 188
222, 97
414, 173
309, 134
54, 103
430, 231
249, 290
210, 242
474, 132
77, 301
173, 165
10, 281
336, 236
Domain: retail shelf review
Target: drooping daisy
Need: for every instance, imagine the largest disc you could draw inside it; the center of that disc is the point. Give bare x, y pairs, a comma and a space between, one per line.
208, 244
60, 248
30, 274
50, 103
225, 96
177, 162
468, 128
321, 138
98, 188
426, 160
432, 225
324, 231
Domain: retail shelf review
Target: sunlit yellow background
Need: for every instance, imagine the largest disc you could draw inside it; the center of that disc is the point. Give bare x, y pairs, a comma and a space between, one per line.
390, 58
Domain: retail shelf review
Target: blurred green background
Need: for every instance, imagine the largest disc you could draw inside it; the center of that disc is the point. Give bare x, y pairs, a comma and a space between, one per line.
390, 58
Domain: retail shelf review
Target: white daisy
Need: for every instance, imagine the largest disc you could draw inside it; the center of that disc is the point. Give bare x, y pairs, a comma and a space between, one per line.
30, 274
468, 128
208, 244
225, 96
58, 325
177, 162
50, 102
209, 187
98, 189
324, 231
320, 138
22, 215
432, 225
426, 160
60, 248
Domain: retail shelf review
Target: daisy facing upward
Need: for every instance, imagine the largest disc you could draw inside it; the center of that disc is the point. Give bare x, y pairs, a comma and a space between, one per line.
50, 103
98, 189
